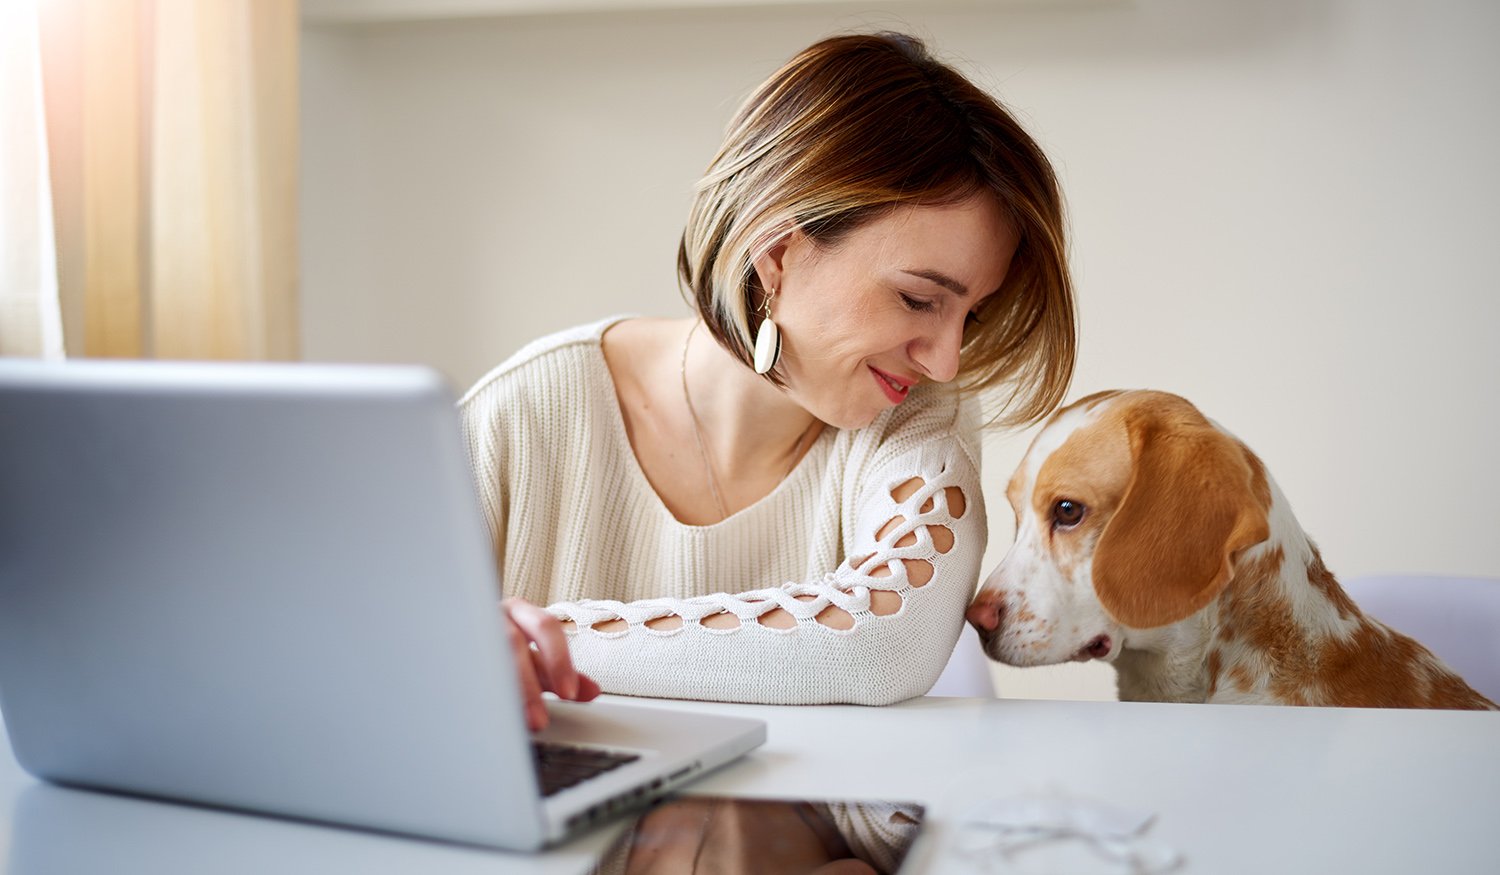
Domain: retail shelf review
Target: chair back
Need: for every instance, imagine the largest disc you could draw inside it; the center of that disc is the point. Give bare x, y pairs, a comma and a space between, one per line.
968, 670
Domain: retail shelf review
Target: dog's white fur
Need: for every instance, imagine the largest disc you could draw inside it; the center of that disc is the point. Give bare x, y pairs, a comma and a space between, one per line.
1212, 591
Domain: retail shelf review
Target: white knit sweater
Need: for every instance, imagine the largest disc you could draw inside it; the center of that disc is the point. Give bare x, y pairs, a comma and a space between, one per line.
578, 528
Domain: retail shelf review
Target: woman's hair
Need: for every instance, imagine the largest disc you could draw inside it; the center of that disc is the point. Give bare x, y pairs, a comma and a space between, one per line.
850, 128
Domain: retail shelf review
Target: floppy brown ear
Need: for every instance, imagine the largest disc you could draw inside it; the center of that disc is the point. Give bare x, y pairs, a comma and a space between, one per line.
1191, 506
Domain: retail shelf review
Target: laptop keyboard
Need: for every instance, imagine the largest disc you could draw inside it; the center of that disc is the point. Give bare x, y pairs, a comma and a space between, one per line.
560, 766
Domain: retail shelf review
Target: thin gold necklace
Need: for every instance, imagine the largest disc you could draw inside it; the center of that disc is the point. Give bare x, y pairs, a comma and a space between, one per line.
708, 465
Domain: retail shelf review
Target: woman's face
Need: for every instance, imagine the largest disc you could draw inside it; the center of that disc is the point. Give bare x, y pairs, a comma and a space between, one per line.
884, 309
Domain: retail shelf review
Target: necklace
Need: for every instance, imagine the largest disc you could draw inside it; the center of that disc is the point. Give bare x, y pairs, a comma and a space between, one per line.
708, 465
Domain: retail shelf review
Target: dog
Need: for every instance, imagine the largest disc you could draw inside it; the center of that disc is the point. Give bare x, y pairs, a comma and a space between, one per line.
1148, 537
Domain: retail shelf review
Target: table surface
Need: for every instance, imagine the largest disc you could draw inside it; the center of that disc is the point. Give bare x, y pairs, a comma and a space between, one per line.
1233, 788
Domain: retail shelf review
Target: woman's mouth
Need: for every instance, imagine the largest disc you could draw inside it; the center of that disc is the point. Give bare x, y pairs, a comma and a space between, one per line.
894, 388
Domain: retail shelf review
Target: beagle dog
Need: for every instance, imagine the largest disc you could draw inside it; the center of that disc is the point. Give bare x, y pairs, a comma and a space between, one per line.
1151, 538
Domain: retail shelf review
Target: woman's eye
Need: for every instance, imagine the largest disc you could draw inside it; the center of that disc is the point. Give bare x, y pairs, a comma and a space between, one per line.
1067, 513
916, 304
972, 318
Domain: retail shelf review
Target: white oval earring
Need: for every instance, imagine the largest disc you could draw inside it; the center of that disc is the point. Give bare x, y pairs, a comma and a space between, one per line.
767, 339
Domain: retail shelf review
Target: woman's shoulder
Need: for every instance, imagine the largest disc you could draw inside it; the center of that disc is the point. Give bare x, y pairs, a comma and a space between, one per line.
569, 345
932, 413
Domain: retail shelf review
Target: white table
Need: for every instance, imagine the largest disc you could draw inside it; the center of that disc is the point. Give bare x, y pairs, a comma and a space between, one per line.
1235, 789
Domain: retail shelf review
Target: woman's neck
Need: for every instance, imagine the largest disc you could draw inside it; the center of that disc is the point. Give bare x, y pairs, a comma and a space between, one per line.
679, 409
747, 423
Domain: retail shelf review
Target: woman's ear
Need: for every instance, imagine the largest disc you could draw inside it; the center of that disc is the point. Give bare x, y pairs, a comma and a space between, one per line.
1192, 505
770, 266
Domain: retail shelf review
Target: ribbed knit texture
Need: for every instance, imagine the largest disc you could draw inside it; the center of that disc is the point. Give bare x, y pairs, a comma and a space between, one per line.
579, 529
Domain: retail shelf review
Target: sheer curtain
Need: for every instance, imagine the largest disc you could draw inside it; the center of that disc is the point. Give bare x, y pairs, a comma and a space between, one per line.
30, 318
172, 130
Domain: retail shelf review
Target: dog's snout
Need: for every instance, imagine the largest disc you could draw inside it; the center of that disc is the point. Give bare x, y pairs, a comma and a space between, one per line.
984, 613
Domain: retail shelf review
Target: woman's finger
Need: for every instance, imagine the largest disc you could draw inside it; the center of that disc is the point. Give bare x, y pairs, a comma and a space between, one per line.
588, 688
545, 631
540, 667
531, 687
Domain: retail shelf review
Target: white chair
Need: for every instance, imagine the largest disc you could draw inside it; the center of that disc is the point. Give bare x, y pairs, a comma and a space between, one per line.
968, 670
1458, 618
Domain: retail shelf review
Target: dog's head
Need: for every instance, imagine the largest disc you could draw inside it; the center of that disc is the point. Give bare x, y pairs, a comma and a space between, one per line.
1130, 510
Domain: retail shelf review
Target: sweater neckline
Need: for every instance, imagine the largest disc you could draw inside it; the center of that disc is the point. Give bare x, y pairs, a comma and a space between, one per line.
622, 445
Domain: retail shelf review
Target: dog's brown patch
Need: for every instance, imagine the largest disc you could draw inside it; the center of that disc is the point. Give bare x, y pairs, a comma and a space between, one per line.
1327, 585
1260, 612
1378, 667
1093, 468
1372, 667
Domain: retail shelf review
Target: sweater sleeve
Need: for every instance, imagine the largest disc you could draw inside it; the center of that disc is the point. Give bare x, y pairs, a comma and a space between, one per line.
917, 531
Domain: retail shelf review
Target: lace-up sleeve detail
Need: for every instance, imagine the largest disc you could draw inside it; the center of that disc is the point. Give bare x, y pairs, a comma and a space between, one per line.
876, 629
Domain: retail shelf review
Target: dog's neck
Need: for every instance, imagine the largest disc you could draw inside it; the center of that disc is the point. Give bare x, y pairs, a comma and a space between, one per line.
1269, 622
1165, 665
1251, 639
1252, 643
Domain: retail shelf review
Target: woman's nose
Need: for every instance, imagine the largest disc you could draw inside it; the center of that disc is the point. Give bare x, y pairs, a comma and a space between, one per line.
937, 354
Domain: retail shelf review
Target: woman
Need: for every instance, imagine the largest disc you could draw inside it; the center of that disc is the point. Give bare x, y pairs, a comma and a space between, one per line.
777, 500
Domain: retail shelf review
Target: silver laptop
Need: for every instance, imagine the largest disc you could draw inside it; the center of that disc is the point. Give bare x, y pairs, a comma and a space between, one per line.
269, 587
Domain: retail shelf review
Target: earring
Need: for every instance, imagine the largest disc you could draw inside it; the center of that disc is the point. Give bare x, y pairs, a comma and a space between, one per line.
767, 338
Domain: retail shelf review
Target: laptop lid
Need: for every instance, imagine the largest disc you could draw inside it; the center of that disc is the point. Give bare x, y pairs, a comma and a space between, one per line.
259, 586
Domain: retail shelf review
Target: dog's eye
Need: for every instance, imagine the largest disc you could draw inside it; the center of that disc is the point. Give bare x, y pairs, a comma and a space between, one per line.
1066, 513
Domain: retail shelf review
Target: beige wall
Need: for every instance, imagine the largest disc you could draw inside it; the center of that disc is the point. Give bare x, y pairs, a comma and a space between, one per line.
1283, 209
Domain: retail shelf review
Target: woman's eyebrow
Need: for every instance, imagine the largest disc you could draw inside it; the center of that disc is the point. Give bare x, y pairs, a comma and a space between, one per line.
940, 278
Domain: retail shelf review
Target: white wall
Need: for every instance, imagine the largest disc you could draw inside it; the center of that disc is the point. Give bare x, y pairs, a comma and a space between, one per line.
1282, 209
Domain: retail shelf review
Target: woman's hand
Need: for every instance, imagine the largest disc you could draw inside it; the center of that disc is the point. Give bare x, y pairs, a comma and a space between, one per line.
542, 660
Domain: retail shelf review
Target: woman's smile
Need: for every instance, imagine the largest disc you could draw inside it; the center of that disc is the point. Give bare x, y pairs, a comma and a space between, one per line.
894, 388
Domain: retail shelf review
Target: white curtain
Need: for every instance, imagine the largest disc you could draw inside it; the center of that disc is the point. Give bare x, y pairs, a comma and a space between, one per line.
172, 138
30, 314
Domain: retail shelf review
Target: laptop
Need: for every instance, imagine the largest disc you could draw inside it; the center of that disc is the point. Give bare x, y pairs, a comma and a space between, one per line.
270, 588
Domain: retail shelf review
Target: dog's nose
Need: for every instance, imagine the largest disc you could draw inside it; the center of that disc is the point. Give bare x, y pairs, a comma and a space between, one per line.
984, 613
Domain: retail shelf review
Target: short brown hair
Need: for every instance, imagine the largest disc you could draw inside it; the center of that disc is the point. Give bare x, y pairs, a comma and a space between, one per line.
850, 128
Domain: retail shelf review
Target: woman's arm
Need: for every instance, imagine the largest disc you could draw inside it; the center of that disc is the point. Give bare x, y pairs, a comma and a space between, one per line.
877, 629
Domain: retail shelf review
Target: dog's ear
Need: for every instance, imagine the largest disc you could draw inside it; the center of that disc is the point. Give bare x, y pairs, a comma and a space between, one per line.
1193, 503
